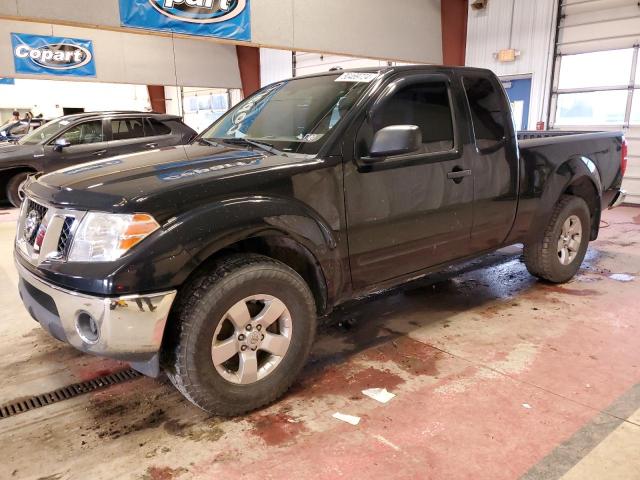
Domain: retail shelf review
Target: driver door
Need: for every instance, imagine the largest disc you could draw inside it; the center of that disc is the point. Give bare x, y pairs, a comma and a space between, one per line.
409, 212
87, 143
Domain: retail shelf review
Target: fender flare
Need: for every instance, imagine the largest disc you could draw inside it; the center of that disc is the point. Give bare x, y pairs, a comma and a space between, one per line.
577, 170
185, 242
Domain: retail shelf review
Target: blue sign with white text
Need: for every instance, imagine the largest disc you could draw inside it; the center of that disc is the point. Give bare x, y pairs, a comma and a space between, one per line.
43, 55
7, 81
213, 18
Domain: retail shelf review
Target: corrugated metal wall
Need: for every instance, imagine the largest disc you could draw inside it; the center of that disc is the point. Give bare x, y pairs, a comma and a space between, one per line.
524, 25
275, 65
594, 26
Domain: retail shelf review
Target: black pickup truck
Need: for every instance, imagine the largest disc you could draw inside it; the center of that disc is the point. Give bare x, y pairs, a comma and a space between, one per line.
212, 261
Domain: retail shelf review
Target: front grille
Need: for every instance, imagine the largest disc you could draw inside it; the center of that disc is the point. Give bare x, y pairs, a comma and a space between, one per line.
45, 232
42, 211
65, 235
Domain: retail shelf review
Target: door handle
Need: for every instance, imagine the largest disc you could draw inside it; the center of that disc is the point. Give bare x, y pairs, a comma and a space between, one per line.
151, 145
98, 153
458, 174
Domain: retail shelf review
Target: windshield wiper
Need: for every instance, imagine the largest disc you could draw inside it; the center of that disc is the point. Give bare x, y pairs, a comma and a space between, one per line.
208, 142
254, 143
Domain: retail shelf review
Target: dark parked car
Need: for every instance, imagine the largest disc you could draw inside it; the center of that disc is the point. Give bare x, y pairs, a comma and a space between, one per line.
213, 260
84, 138
14, 130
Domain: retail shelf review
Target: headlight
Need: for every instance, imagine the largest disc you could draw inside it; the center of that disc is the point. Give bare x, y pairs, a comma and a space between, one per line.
104, 237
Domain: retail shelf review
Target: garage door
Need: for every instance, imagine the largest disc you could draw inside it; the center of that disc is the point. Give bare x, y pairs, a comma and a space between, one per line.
597, 74
306, 63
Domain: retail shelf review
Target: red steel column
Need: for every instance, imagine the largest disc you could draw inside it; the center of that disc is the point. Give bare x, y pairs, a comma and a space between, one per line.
156, 96
249, 63
454, 31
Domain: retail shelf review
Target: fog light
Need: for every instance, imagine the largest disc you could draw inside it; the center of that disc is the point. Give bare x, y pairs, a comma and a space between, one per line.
87, 328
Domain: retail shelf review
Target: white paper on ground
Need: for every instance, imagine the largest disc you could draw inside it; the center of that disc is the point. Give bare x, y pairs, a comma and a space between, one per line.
379, 394
622, 277
347, 418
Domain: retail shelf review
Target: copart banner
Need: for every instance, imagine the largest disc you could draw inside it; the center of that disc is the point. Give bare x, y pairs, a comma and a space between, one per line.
214, 18
44, 55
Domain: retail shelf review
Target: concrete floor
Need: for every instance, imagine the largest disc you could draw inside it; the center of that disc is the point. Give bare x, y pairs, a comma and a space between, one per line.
497, 376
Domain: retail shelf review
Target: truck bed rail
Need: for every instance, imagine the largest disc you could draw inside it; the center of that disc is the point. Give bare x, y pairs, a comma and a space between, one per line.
531, 134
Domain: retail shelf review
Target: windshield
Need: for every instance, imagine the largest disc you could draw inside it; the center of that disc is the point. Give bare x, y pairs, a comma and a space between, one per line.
293, 116
44, 133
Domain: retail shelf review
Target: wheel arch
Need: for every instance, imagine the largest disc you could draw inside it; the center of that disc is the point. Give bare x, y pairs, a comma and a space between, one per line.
277, 245
284, 229
578, 176
585, 188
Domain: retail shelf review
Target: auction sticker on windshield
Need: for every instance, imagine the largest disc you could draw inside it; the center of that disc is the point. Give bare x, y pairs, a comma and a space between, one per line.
357, 77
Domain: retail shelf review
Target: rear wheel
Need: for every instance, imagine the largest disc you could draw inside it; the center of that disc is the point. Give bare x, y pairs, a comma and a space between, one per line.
244, 332
13, 188
557, 256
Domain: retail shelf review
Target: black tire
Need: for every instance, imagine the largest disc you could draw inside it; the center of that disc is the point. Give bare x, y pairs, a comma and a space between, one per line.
204, 304
13, 187
542, 258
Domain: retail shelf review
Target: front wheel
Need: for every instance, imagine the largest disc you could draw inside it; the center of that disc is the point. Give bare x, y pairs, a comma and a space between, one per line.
243, 333
557, 256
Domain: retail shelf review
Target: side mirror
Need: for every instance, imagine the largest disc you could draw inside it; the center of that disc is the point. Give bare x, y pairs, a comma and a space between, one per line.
60, 144
394, 140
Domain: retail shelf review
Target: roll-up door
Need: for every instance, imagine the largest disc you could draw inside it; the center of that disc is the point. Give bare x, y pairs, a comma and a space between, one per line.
597, 74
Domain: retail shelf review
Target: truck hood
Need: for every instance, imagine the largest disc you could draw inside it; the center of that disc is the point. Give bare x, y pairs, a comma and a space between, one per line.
159, 181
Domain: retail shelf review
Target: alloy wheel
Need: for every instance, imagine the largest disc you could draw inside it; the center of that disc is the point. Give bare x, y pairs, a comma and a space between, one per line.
251, 339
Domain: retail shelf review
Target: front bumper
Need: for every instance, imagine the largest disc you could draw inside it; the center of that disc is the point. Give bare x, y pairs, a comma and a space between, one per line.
129, 328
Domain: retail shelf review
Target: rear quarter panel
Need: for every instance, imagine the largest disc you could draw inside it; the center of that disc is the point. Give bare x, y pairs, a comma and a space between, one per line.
551, 165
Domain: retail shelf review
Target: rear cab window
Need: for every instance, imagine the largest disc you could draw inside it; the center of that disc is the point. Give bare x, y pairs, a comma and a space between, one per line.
487, 108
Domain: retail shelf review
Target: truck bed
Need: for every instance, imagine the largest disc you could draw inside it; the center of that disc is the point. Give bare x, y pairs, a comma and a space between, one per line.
542, 153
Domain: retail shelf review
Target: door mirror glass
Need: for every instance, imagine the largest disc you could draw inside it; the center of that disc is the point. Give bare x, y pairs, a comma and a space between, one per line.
395, 140
60, 144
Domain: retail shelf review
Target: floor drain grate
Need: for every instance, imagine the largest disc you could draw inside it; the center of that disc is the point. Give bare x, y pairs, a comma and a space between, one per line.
24, 405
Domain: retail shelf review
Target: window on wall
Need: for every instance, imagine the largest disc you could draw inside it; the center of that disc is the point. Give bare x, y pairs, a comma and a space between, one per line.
593, 89
596, 69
